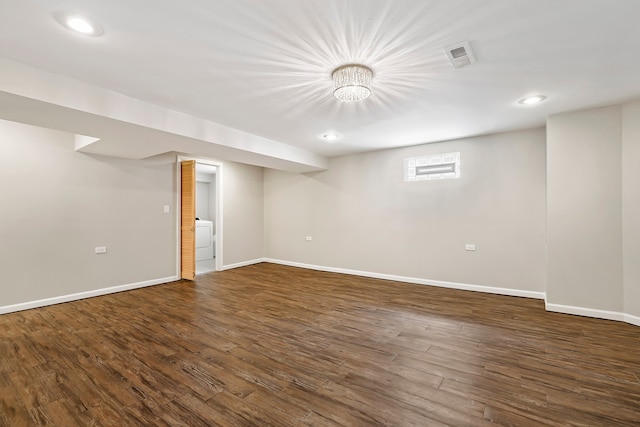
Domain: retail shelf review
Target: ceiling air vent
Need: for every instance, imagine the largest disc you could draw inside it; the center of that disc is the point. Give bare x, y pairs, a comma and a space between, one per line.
460, 55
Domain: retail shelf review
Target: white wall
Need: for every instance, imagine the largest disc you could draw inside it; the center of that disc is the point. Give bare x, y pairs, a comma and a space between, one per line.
206, 196
584, 211
593, 216
631, 207
363, 217
243, 213
212, 201
58, 205
202, 200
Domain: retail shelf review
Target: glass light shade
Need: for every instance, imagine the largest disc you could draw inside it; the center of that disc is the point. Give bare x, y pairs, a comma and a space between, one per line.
352, 82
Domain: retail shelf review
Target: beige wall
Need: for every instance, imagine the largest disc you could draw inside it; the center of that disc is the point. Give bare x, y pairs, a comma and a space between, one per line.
243, 213
362, 216
584, 214
58, 205
594, 209
631, 207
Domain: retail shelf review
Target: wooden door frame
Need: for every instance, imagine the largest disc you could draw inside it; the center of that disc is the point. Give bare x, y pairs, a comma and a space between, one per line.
219, 208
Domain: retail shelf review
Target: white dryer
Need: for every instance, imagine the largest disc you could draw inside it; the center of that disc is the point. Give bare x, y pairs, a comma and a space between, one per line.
205, 240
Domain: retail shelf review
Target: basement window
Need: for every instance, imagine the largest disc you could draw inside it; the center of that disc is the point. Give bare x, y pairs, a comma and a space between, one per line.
429, 168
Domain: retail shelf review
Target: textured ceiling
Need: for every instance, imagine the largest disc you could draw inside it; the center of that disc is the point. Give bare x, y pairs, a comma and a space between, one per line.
263, 66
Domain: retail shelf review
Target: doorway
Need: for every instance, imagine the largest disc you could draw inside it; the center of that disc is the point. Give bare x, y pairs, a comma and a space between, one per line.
205, 217
200, 207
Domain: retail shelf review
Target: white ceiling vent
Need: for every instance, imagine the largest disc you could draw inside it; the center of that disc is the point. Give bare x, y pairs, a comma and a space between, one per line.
460, 55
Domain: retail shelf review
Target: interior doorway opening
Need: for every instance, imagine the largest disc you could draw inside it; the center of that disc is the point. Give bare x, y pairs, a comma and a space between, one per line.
206, 201
200, 207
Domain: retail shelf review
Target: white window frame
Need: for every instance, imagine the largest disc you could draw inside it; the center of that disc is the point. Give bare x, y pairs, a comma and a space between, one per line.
432, 167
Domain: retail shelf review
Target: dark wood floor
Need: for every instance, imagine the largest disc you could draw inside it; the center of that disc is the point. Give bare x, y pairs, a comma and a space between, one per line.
271, 345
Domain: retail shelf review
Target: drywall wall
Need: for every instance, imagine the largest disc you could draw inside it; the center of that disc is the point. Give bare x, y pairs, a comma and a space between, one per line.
206, 195
362, 216
212, 201
243, 213
58, 205
584, 209
631, 207
202, 200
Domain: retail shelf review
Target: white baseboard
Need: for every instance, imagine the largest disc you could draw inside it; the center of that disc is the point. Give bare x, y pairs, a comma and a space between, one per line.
243, 264
591, 312
634, 320
558, 308
417, 281
588, 312
82, 295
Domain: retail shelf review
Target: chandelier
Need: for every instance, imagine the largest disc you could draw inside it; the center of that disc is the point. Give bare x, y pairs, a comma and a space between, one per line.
352, 82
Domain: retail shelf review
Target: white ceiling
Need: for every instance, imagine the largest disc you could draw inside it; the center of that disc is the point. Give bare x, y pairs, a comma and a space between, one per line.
263, 66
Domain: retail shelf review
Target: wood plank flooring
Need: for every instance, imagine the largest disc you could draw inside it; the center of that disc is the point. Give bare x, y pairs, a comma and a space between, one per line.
269, 345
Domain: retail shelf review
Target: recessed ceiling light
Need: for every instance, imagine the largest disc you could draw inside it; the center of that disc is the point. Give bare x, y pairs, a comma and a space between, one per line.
531, 100
330, 137
79, 24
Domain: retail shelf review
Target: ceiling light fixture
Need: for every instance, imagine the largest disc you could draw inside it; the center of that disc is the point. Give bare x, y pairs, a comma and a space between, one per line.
330, 137
531, 100
352, 82
79, 24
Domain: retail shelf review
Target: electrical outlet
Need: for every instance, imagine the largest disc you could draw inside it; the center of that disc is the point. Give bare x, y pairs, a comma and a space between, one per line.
101, 249
469, 247
309, 238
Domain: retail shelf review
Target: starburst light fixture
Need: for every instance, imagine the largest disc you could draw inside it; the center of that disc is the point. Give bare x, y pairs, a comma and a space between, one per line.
352, 82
